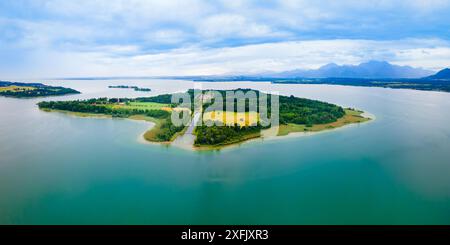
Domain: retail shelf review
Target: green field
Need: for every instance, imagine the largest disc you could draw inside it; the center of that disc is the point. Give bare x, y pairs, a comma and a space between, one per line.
140, 106
14, 88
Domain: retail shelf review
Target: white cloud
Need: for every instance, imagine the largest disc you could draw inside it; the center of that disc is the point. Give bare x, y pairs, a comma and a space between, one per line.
429, 5
166, 36
232, 26
230, 19
431, 54
186, 37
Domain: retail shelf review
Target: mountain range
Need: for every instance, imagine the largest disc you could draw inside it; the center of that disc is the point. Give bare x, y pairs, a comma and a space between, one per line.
442, 75
371, 69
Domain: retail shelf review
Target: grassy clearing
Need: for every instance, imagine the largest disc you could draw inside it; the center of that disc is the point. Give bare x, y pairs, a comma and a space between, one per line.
152, 134
351, 117
232, 118
15, 88
141, 106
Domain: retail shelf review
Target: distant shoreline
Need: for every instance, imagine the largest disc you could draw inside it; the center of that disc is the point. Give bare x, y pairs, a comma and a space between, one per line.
420, 84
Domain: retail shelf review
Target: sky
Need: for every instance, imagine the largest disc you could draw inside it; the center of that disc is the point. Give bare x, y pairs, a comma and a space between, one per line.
80, 38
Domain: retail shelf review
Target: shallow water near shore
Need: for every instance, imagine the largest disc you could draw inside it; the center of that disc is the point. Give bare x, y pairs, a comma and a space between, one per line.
61, 169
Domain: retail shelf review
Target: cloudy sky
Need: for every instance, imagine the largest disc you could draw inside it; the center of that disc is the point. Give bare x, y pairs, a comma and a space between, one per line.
68, 38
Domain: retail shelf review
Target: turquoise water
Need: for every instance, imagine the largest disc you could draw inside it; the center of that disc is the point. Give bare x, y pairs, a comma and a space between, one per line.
60, 169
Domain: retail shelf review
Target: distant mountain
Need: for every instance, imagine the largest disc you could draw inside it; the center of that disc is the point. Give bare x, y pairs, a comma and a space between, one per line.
371, 69
442, 75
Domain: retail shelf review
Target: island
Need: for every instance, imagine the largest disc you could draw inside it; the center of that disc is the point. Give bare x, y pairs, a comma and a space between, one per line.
136, 88
32, 90
295, 115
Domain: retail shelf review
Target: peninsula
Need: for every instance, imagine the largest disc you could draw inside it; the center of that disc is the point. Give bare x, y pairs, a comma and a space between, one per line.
295, 115
32, 90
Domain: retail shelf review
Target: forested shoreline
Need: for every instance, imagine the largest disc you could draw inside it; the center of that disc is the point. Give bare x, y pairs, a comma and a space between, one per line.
31, 90
165, 128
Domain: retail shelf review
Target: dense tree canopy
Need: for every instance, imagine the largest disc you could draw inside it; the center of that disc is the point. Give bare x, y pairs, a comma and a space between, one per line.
222, 135
304, 111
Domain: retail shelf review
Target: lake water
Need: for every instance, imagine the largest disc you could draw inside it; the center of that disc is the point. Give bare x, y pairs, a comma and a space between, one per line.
60, 169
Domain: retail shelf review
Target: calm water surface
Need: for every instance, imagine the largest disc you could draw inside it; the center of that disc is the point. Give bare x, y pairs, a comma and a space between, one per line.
60, 169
